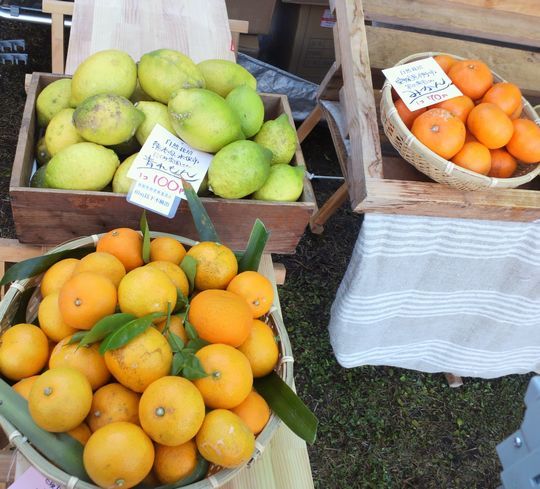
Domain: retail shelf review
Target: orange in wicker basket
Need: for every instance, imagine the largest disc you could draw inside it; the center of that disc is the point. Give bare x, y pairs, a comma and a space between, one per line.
433, 165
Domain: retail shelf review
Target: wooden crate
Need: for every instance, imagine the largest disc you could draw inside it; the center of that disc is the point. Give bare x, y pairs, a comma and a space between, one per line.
48, 216
378, 179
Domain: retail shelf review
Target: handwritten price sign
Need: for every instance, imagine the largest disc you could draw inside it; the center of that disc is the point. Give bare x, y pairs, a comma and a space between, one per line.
421, 83
158, 170
32, 479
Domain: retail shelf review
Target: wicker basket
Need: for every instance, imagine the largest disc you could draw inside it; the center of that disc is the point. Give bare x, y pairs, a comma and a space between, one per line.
217, 475
431, 164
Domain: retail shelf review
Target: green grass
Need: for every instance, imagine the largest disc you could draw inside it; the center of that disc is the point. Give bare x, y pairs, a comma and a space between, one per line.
380, 426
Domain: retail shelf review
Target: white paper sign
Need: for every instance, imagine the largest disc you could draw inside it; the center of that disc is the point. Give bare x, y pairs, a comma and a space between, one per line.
421, 83
32, 479
158, 169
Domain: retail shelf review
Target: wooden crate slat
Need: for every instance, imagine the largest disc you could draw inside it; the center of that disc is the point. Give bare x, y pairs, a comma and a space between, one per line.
388, 46
444, 16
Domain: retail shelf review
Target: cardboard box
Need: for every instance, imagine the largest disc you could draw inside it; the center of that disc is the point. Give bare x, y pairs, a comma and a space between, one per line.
50, 216
258, 13
302, 40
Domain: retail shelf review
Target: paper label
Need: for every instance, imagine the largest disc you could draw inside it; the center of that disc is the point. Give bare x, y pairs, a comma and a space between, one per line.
328, 19
32, 479
421, 83
158, 169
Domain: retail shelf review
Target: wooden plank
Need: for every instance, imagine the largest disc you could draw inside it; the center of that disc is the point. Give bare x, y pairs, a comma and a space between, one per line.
365, 157
431, 199
55, 216
12, 251
139, 26
525, 7
388, 46
331, 83
280, 272
57, 42
444, 16
240, 26
57, 7
309, 123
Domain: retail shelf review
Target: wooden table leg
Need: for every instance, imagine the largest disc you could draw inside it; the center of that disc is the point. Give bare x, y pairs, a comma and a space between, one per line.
318, 219
453, 380
280, 272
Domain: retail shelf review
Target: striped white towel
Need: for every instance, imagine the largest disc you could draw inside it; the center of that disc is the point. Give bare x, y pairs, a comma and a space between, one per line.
441, 295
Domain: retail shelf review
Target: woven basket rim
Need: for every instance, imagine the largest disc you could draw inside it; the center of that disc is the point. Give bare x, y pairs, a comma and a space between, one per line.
16, 438
389, 114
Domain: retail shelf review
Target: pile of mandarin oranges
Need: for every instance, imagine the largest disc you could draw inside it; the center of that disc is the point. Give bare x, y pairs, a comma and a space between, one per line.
483, 130
126, 400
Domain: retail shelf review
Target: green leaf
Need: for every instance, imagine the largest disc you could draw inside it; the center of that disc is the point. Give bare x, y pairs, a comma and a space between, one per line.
105, 326
288, 406
24, 299
192, 366
168, 320
181, 301
189, 265
190, 330
255, 248
197, 344
191, 373
145, 230
195, 363
77, 337
177, 345
202, 221
123, 335
177, 363
39, 264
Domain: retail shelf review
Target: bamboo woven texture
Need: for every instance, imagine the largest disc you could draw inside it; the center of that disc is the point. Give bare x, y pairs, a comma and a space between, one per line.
218, 476
436, 167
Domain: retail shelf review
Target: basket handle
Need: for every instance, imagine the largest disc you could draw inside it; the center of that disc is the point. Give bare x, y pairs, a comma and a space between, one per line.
537, 109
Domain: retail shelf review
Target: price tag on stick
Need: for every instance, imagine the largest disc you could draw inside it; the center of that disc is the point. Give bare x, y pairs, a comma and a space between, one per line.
421, 83
158, 170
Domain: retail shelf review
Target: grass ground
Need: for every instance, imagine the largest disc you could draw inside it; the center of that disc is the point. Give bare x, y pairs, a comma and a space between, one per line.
380, 427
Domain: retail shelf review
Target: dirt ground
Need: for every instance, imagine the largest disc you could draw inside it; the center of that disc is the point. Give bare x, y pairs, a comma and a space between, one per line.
379, 427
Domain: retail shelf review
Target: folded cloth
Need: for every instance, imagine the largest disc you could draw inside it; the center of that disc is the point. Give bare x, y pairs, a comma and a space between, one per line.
441, 295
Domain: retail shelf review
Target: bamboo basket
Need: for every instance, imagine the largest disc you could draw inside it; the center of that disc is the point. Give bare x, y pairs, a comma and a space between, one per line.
436, 167
217, 476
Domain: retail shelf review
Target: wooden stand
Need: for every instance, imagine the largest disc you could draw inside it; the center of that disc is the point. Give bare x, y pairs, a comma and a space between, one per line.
378, 180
